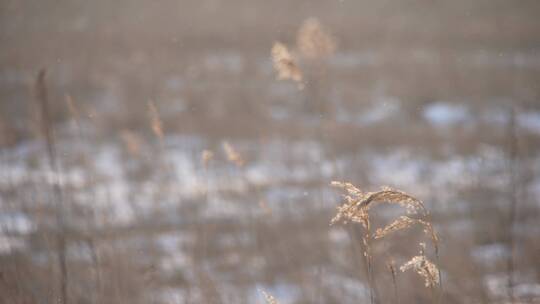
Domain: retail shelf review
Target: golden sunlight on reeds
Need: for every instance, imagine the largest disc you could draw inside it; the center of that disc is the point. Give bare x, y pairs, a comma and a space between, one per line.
356, 208
424, 268
284, 63
184, 151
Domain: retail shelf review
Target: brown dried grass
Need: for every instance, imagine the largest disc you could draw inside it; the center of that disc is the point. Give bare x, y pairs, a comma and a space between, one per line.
356, 208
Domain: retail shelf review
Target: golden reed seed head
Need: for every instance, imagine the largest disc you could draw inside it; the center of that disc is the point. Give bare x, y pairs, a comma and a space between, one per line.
314, 41
206, 157
285, 64
155, 121
356, 208
358, 203
232, 155
392, 196
430, 231
350, 188
269, 298
403, 222
426, 269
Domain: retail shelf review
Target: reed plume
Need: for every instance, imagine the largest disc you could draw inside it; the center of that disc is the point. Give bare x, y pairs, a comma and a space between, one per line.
403, 222
52, 156
284, 63
356, 208
425, 268
269, 298
313, 41
232, 155
358, 203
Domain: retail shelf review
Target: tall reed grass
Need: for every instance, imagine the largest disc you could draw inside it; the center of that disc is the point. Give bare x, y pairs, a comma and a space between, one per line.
357, 207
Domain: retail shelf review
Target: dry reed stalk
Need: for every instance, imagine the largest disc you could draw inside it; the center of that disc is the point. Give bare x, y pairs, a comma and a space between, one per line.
513, 193
46, 128
232, 155
313, 41
392, 268
285, 64
95, 260
360, 215
76, 116
356, 207
73, 111
155, 121
366, 239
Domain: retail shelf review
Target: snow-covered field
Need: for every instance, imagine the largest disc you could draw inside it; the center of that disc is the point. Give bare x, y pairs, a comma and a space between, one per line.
281, 179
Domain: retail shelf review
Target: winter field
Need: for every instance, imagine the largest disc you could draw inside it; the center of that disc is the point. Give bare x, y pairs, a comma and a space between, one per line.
184, 151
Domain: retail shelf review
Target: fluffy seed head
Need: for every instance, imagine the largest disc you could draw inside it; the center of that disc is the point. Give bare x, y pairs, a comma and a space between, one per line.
426, 269
232, 155
358, 203
403, 222
285, 64
314, 41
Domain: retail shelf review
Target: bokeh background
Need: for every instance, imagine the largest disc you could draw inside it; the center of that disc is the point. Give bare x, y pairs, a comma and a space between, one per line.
437, 98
